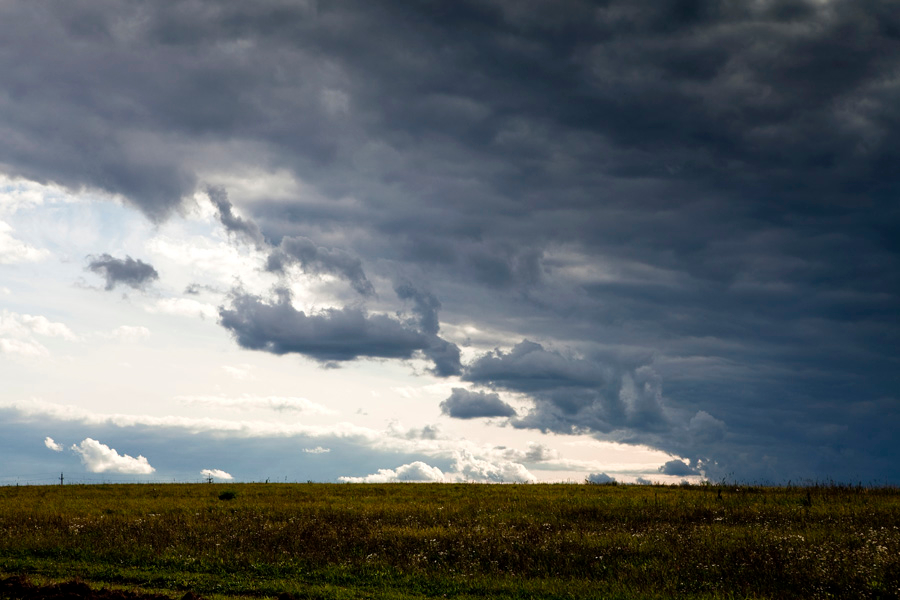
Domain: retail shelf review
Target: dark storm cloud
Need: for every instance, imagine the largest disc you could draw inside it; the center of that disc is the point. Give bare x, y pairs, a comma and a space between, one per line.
529, 367
234, 224
465, 404
726, 95
316, 259
574, 394
445, 354
125, 271
331, 335
426, 306
677, 467
710, 184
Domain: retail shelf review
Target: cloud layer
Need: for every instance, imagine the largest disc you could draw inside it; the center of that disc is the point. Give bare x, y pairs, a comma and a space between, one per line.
670, 224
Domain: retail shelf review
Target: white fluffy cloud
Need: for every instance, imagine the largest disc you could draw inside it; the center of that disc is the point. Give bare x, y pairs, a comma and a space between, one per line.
17, 194
48, 441
317, 450
22, 326
18, 331
472, 468
416, 471
100, 458
16, 251
216, 474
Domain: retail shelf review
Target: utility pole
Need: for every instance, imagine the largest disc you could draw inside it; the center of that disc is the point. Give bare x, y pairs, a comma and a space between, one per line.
60, 479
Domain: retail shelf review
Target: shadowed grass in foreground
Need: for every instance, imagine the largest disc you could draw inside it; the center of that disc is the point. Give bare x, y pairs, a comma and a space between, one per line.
462, 541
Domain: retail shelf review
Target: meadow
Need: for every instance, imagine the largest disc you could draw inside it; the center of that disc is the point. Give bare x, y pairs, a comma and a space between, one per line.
404, 541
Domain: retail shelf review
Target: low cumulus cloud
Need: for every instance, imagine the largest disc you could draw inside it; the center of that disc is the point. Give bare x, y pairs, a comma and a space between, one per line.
677, 467
465, 404
127, 271
472, 468
52, 445
317, 450
216, 474
100, 458
600, 479
417, 471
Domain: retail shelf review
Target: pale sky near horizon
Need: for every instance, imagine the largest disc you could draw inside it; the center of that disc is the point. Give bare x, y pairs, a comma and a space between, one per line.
79, 359
471, 241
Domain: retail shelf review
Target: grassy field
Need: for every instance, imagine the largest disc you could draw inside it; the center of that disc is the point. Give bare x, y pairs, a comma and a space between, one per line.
458, 541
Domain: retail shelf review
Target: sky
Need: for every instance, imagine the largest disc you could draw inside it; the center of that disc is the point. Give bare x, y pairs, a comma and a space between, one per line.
485, 241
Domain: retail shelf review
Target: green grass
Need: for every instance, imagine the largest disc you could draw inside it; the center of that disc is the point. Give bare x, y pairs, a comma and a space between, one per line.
458, 541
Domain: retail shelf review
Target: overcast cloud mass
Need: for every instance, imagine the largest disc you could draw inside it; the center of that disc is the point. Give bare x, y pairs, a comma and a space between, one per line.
600, 227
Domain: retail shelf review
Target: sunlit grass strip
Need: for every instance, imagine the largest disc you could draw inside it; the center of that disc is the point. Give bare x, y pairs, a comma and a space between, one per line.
539, 541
